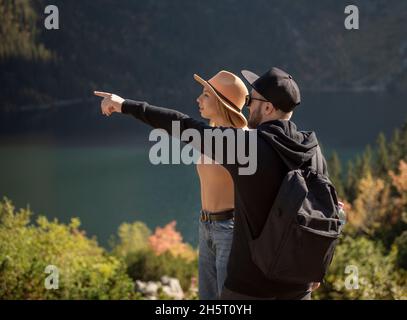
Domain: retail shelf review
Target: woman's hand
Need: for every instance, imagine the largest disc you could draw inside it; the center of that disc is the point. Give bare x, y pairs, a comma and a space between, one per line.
315, 286
110, 103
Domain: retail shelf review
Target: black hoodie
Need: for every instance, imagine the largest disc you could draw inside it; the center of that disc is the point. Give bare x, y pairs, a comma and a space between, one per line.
279, 146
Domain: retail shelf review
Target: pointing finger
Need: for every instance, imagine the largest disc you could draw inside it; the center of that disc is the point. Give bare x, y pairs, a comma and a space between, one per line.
102, 94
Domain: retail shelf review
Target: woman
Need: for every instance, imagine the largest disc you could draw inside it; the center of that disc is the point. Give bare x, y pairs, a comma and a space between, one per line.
221, 101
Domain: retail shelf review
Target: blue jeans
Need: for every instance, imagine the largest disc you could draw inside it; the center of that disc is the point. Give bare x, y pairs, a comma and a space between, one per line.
215, 242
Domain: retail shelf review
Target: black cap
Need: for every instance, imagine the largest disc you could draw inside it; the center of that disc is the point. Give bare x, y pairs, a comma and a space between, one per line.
277, 86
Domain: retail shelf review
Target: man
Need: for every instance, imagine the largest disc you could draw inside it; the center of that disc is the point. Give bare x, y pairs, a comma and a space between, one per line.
273, 98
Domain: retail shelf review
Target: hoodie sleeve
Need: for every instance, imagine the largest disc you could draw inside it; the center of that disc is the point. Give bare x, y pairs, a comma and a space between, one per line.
166, 119
157, 117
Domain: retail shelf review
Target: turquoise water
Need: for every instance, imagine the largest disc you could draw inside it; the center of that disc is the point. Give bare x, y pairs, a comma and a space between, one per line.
107, 185
104, 187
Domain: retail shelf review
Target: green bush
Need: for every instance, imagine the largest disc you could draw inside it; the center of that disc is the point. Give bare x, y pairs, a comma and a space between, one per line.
131, 238
140, 249
86, 271
378, 276
146, 265
401, 244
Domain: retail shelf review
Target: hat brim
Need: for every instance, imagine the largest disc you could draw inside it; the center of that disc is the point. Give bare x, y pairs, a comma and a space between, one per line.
249, 76
238, 117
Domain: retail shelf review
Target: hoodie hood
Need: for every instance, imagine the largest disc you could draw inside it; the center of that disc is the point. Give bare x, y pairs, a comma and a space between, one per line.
293, 146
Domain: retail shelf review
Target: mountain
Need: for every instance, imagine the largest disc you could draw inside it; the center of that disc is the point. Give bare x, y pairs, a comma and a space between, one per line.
150, 49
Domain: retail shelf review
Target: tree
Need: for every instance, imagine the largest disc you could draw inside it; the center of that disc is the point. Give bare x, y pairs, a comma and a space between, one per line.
371, 204
383, 161
18, 30
400, 183
395, 152
335, 173
132, 238
403, 142
168, 239
351, 182
366, 164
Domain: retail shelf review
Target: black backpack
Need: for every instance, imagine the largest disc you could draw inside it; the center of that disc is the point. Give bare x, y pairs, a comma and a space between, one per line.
298, 240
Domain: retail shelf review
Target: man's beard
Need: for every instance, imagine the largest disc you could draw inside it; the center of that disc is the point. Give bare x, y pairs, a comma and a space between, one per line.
254, 119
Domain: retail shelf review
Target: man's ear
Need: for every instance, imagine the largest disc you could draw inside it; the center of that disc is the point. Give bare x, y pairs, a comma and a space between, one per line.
269, 109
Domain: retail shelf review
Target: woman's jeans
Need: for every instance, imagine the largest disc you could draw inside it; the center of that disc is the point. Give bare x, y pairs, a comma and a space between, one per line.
215, 242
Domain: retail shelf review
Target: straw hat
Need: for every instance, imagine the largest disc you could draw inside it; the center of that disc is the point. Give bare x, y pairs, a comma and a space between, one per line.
231, 92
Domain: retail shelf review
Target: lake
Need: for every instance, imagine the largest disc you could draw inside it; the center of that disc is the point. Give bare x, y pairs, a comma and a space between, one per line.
107, 184
104, 187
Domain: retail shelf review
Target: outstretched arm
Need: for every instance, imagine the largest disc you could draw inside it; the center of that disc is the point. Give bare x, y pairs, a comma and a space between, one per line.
164, 118
156, 117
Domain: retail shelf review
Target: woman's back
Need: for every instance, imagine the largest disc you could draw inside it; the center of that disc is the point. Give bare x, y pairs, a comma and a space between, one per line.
217, 190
